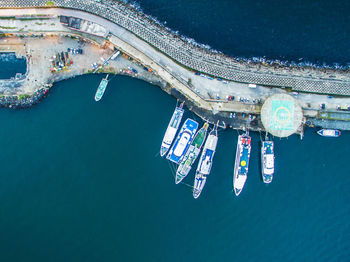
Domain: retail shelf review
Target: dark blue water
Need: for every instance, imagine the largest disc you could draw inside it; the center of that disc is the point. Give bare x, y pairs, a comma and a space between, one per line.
315, 31
10, 65
83, 181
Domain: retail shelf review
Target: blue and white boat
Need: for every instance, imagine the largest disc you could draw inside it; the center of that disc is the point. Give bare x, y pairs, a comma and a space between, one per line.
329, 132
170, 132
205, 162
242, 162
191, 154
267, 161
183, 141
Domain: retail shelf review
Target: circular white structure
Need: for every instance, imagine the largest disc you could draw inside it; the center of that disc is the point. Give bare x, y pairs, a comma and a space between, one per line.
281, 115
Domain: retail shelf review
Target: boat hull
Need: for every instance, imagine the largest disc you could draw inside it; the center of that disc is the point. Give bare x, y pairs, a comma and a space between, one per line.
205, 163
267, 161
171, 130
183, 141
241, 163
101, 89
199, 183
329, 132
186, 165
191, 154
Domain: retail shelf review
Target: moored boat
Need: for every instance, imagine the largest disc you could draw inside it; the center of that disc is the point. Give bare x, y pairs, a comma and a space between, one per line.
101, 89
183, 141
241, 163
267, 161
205, 162
329, 132
171, 129
191, 154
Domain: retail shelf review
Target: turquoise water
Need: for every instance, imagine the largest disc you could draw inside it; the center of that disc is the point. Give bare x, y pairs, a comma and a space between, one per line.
83, 181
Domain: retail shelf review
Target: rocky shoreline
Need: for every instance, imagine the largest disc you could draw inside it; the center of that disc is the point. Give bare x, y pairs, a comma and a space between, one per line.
23, 101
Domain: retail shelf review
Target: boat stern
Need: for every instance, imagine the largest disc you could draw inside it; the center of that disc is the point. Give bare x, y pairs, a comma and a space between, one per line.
199, 183
239, 183
179, 177
267, 178
163, 151
238, 191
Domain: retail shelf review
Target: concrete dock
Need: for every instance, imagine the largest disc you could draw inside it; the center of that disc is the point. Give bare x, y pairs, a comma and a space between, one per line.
231, 102
190, 55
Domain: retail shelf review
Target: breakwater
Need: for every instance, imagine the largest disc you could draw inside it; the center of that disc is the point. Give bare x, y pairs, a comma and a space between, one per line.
195, 57
23, 101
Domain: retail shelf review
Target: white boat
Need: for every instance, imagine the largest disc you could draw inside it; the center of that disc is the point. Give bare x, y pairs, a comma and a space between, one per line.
101, 89
170, 132
205, 162
191, 154
267, 161
241, 163
183, 141
329, 132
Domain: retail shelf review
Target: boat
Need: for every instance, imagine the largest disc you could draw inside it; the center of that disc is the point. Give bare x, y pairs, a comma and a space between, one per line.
101, 89
242, 162
267, 161
183, 141
329, 132
205, 162
171, 129
191, 154
115, 55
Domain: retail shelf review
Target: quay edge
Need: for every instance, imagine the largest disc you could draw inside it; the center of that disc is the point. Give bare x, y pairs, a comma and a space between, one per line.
194, 56
198, 104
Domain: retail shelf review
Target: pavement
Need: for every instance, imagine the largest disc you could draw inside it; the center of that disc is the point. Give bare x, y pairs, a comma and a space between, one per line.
210, 94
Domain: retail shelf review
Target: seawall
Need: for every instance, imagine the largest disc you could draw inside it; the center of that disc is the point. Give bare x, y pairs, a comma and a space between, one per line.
190, 55
207, 97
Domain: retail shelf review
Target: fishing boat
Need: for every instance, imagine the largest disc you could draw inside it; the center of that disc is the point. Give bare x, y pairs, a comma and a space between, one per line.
205, 162
242, 162
329, 132
267, 161
101, 89
191, 154
183, 141
172, 129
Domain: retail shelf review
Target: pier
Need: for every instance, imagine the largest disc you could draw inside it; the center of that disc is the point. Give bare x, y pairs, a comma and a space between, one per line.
214, 86
197, 58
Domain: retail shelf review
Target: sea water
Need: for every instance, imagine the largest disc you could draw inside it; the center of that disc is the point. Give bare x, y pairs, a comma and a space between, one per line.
299, 31
83, 181
10, 65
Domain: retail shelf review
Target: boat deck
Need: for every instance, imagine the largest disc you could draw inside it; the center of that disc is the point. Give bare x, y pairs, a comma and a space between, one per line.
268, 147
177, 117
198, 140
244, 159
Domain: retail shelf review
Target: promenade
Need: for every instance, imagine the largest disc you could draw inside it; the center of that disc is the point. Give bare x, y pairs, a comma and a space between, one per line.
212, 99
195, 57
